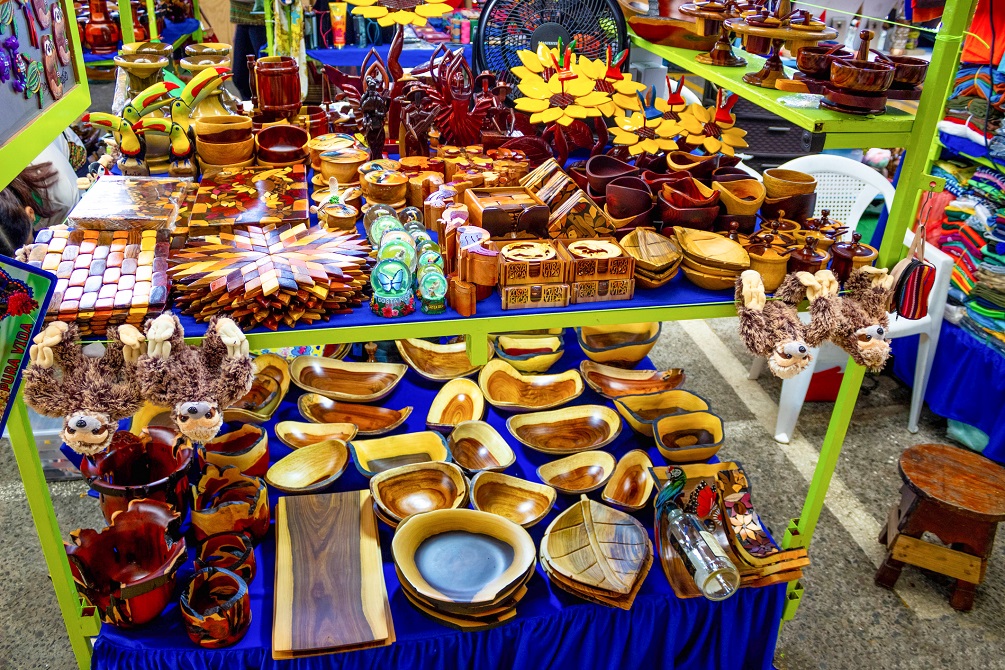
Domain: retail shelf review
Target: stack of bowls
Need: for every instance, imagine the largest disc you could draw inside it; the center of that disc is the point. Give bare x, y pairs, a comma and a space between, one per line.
790, 191
224, 142
281, 146
711, 261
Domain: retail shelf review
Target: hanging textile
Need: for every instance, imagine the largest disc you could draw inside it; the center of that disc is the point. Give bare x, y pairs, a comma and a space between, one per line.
289, 34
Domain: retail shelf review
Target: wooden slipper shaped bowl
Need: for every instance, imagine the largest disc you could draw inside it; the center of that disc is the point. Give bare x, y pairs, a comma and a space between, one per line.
462, 555
368, 419
476, 446
344, 380
438, 362
612, 382
375, 456
623, 346
513, 498
641, 411
567, 430
268, 388
602, 170
509, 390
247, 448
231, 551
688, 437
296, 434
712, 249
228, 502
708, 281
216, 608
309, 469
530, 354
401, 492
631, 485
580, 473
459, 400
128, 570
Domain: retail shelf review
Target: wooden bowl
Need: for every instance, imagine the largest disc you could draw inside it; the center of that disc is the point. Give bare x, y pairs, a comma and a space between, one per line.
385, 453
329, 142
420, 487
688, 437
909, 71
628, 196
641, 411
612, 382
268, 388
530, 353
143, 65
816, 61
309, 469
681, 190
568, 430
225, 501
699, 218
512, 498
580, 473
438, 362
247, 448
742, 197
224, 153
631, 485
342, 164
196, 64
368, 419
780, 183
337, 216
507, 389
622, 346
602, 170
462, 555
385, 186
709, 282
296, 434
861, 76
344, 380
282, 144
477, 447
457, 401
215, 606
230, 551
230, 128
208, 49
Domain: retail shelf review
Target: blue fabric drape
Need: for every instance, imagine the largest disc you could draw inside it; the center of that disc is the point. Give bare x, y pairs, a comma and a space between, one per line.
172, 31
352, 56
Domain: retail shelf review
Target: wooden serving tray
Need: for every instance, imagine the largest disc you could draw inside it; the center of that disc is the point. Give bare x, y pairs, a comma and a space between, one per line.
259, 196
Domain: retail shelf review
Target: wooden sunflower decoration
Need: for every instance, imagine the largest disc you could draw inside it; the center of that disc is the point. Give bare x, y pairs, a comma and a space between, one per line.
400, 12
646, 131
714, 129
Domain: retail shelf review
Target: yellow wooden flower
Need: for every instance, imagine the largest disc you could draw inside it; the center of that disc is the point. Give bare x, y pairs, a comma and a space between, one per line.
401, 12
623, 91
539, 62
557, 101
703, 127
640, 134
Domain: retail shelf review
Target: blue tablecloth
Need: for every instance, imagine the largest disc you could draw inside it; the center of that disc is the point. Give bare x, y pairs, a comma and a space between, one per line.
352, 56
551, 630
172, 31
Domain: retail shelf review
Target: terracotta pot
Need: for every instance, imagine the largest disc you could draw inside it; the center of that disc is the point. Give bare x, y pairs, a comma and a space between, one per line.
689, 193
231, 551
742, 197
628, 197
862, 75
223, 128
797, 208
101, 34
282, 144
602, 170
849, 256
216, 608
816, 61
781, 183
277, 83
700, 218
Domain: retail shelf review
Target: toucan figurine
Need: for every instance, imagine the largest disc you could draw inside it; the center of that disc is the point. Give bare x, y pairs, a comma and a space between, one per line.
182, 144
197, 90
149, 99
133, 148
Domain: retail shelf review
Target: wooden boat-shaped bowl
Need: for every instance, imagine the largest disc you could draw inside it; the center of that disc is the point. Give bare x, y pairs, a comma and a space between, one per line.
529, 354
269, 387
567, 430
707, 281
602, 170
296, 434
742, 197
688, 437
580, 473
476, 446
612, 382
631, 485
513, 498
420, 487
438, 362
459, 400
507, 389
462, 555
247, 448
369, 420
623, 345
642, 411
628, 196
385, 453
309, 469
343, 380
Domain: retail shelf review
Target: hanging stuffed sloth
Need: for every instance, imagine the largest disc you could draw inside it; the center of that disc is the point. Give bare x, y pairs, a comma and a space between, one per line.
771, 328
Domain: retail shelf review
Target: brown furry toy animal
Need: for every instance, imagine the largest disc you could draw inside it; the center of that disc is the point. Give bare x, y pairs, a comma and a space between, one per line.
197, 383
771, 328
91, 394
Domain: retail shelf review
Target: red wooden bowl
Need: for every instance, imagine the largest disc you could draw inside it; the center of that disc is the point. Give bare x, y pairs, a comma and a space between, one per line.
231, 551
600, 200
701, 218
909, 72
602, 170
282, 144
685, 193
730, 174
578, 175
816, 61
628, 196
862, 75
216, 608
798, 208
655, 180
228, 502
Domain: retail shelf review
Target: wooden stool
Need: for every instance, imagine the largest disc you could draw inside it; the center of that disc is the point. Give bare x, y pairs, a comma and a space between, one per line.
959, 497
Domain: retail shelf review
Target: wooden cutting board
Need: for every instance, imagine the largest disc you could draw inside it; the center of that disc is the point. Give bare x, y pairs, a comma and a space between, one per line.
330, 592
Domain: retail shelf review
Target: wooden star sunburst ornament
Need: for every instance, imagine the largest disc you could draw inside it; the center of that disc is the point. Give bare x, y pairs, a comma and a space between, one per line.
266, 276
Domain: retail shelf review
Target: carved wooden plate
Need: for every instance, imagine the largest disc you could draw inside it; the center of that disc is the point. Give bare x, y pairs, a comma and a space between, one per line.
368, 419
612, 382
438, 362
476, 446
513, 498
401, 492
580, 473
344, 380
567, 430
459, 400
507, 389
374, 456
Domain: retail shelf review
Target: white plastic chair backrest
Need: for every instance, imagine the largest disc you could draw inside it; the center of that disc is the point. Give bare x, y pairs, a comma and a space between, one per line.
686, 93
844, 186
749, 170
943, 263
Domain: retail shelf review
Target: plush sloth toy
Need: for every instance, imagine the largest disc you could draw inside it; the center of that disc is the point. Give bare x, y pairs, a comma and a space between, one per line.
197, 383
771, 328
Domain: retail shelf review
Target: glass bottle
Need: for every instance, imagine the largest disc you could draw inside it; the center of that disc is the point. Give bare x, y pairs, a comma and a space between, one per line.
713, 572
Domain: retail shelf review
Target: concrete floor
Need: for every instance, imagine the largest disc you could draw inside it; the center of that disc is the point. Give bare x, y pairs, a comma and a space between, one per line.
845, 621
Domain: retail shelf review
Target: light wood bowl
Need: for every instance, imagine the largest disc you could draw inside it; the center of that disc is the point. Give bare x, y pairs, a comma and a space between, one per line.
513, 498
385, 453
345, 380
742, 197
296, 434
567, 430
342, 164
329, 142
464, 616
268, 388
688, 437
230, 128
420, 487
612, 382
780, 183
631, 485
507, 389
457, 401
438, 362
621, 345
368, 419
309, 469
641, 411
580, 473
462, 555
476, 446
224, 153
709, 282
338, 216
247, 448
384, 186
530, 354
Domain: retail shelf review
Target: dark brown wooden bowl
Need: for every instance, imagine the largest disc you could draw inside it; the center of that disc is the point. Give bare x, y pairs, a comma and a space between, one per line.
578, 175
567, 430
282, 144
603, 169
816, 61
700, 218
910, 72
628, 197
862, 75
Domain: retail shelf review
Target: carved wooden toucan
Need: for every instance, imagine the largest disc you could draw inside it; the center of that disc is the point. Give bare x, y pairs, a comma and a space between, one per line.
199, 88
149, 99
133, 148
182, 144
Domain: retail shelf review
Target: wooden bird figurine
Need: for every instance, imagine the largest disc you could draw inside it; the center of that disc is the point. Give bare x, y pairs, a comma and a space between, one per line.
149, 99
198, 89
182, 144
133, 148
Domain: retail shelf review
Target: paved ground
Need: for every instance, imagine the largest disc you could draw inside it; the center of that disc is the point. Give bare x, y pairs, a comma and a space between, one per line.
845, 620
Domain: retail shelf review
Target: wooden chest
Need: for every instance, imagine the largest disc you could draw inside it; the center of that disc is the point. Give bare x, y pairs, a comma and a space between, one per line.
507, 211
602, 290
593, 259
535, 296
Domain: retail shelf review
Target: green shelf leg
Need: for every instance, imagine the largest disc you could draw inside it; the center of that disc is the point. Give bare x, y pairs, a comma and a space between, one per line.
477, 345
126, 22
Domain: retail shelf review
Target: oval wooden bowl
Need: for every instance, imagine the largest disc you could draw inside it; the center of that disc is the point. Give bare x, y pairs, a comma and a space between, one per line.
344, 380
688, 437
641, 411
508, 389
612, 382
247, 448
229, 128
296, 434
742, 197
512, 498
700, 167
699, 218
631, 485
385, 453
268, 388
709, 282
309, 469
420, 487
368, 419
462, 555
602, 170
568, 430
282, 144
385, 186
342, 164
781, 183
530, 354
476, 446
224, 153
144, 65
621, 345
438, 362
457, 401
580, 473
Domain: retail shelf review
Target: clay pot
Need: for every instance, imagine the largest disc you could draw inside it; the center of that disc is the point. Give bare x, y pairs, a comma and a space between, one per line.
742, 197
862, 75
798, 208
689, 193
781, 183
602, 170
849, 256
700, 218
216, 608
282, 144
816, 61
628, 197
808, 258
223, 128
